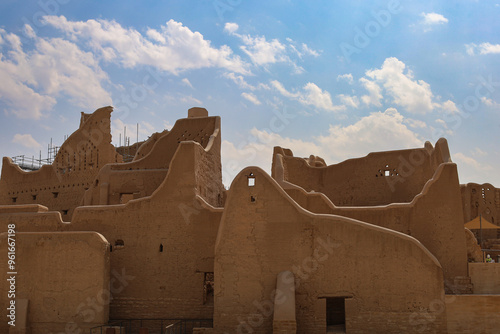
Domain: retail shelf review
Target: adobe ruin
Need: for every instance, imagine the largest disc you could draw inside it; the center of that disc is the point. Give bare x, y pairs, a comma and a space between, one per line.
370, 245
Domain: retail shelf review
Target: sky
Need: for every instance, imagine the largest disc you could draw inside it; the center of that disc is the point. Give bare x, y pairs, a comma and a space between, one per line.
336, 79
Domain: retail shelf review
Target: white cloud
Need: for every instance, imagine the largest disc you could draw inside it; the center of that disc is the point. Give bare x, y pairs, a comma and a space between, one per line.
413, 95
257, 152
433, 18
263, 52
429, 20
179, 98
487, 48
489, 102
302, 50
442, 123
380, 131
415, 123
167, 125
347, 77
349, 101
148, 127
28, 30
448, 106
311, 95
240, 81
175, 48
296, 68
469, 48
374, 93
235, 157
62, 67
186, 82
21, 99
308, 51
479, 153
471, 162
279, 86
251, 97
32, 80
477, 169
315, 96
231, 27
482, 49
447, 131
26, 141
156, 36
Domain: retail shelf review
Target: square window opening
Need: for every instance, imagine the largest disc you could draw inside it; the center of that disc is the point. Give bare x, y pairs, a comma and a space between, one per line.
251, 181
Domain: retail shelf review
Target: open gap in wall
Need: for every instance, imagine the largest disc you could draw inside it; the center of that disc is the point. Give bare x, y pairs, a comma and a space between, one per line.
208, 288
335, 314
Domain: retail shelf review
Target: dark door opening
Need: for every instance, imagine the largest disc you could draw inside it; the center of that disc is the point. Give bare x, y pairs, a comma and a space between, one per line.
335, 315
208, 289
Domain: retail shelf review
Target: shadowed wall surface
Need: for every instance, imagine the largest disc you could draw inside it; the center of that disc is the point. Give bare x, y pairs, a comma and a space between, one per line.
59, 273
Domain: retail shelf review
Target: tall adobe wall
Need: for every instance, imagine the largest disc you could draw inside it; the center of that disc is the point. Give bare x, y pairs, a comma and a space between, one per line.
57, 273
387, 279
377, 179
119, 183
61, 186
165, 241
433, 215
484, 200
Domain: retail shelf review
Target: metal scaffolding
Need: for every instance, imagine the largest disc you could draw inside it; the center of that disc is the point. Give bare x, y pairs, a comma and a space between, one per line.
32, 163
127, 151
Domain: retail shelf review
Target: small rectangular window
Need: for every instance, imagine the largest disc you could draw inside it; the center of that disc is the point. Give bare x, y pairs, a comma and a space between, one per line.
251, 180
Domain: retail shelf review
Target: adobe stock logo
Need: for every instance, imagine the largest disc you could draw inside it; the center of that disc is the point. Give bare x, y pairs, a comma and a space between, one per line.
363, 38
222, 6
